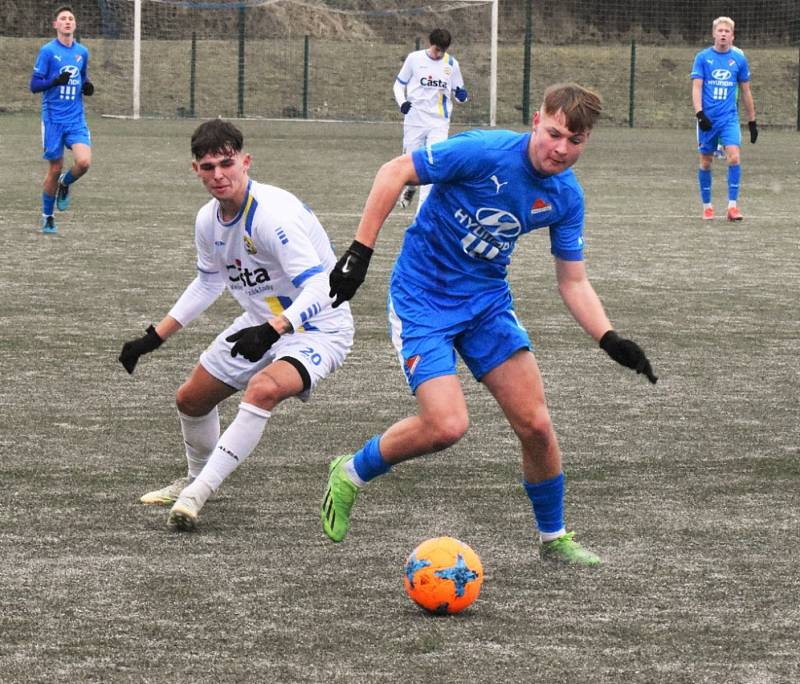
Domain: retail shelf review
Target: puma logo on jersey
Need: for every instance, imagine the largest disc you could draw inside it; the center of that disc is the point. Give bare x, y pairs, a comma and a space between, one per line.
498, 184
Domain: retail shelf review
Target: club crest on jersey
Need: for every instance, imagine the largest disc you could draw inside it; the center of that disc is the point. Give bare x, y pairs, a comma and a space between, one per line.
412, 362
249, 245
540, 206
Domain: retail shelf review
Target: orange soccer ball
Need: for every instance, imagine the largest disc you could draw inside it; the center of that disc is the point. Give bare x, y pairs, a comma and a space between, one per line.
443, 575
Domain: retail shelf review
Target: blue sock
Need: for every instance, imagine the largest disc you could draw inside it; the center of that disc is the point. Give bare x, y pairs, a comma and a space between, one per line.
68, 178
368, 462
704, 180
48, 202
547, 499
734, 176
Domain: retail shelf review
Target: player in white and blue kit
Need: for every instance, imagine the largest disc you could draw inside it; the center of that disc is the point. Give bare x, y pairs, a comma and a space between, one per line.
428, 84
719, 74
449, 294
270, 252
61, 76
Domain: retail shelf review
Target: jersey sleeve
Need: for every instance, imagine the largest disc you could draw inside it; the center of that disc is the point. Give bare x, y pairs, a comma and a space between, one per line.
456, 80
459, 157
42, 65
407, 71
290, 244
566, 236
697, 67
744, 69
204, 241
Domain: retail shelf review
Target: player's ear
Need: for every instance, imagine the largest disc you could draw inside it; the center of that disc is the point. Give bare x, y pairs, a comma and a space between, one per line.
195, 166
246, 159
535, 120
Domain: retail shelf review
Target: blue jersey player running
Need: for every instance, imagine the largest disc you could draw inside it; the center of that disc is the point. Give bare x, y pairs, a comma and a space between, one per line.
60, 75
449, 294
719, 73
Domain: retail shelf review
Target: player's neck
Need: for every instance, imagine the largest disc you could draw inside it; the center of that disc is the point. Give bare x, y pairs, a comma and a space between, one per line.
66, 39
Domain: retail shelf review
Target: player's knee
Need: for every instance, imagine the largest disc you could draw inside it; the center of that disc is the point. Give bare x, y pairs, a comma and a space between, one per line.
82, 166
263, 391
189, 403
536, 429
733, 158
445, 432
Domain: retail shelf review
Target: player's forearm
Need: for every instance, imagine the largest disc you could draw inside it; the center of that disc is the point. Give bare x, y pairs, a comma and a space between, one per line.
586, 308
399, 91
389, 183
39, 84
750, 106
167, 327
697, 95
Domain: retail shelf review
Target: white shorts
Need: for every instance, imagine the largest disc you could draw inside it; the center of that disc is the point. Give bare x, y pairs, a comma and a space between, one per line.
320, 353
415, 137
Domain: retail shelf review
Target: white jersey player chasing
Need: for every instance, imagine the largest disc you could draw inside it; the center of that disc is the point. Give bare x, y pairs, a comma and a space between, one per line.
423, 90
270, 251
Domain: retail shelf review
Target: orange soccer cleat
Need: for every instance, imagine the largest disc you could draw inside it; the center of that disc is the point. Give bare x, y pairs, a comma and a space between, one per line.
708, 214
734, 214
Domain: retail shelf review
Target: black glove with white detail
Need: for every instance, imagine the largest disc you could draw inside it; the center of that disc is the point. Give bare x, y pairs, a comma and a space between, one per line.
350, 271
132, 350
627, 353
753, 126
703, 121
62, 79
405, 108
87, 88
253, 342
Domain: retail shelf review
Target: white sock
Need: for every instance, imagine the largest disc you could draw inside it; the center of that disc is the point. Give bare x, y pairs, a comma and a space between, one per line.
550, 536
707, 205
350, 469
200, 436
731, 204
235, 445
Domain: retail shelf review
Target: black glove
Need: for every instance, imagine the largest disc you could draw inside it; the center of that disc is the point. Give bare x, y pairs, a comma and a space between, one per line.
349, 272
405, 107
87, 88
753, 126
131, 351
62, 78
704, 122
627, 353
253, 342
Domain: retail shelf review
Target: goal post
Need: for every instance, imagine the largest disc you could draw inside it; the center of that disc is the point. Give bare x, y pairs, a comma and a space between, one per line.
342, 28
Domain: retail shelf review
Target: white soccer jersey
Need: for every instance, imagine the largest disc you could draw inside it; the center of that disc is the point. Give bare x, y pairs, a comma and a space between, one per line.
274, 257
428, 86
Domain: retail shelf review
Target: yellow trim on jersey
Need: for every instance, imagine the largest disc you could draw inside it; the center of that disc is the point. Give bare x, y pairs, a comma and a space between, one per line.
440, 105
277, 308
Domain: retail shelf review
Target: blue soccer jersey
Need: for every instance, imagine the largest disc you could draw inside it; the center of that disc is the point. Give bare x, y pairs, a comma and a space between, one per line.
486, 194
722, 72
63, 104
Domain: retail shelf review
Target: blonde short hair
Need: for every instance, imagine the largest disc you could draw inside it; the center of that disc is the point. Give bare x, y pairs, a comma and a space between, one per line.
723, 20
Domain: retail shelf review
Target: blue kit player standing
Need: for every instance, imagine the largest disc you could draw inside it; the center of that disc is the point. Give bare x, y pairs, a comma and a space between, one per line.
60, 75
719, 73
449, 293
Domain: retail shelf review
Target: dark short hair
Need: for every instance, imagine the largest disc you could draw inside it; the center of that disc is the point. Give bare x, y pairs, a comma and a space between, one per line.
63, 8
581, 107
441, 38
216, 136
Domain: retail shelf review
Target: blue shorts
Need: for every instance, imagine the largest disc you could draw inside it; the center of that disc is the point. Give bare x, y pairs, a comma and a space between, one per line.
726, 133
427, 329
56, 136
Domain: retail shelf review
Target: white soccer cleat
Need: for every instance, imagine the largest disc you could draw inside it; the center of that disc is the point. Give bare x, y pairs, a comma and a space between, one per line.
166, 496
184, 513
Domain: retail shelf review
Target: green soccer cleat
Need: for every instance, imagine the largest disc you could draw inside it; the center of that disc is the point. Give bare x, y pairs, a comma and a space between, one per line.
338, 500
183, 515
62, 194
567, 551
166, 496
